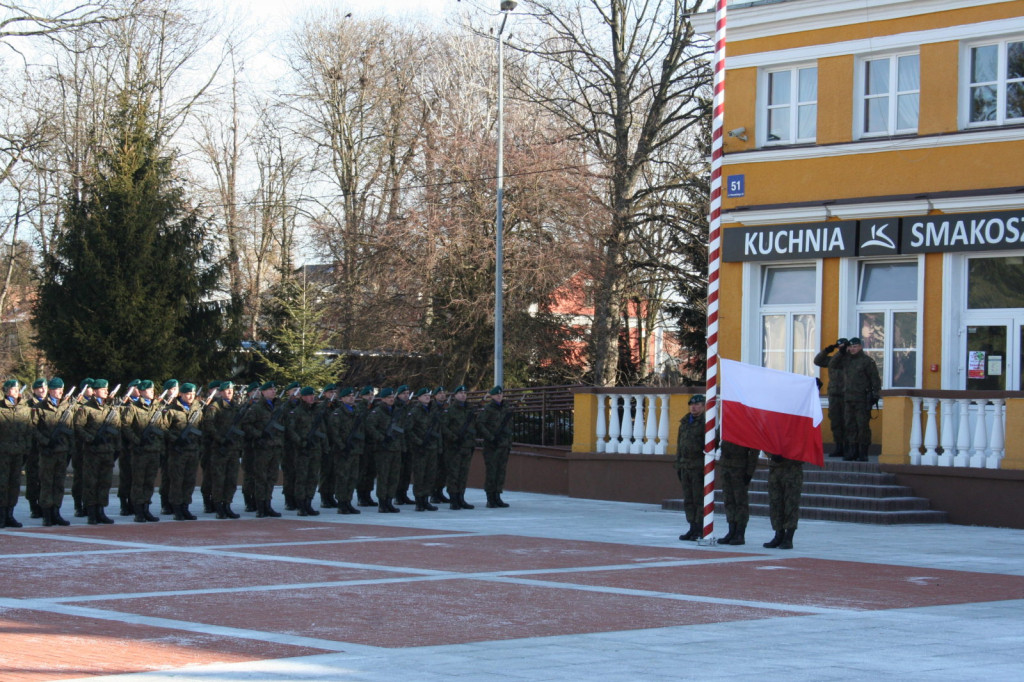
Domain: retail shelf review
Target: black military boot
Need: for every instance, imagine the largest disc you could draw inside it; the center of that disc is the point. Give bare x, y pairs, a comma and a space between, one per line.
47, 515
351, 509
421, 503
146, 515
490, 501
850, 452
310, 509
382, 507
270, 511
365, 499
392, 508
208, 506
140, 513
90, 512
787, 540
179, 512
229, 512
189, 516
250, 505
165, 506
438, 497
837, 451
730, 535
34, 510
427, 505
9, 520
57, 519
693, 533
403, 497
126, 506
498, 502
101, 514
80, 510
777, 540
261, 509
738, 537
454, 503
300, 506
219, 509
463, 503
862, 453
289, 502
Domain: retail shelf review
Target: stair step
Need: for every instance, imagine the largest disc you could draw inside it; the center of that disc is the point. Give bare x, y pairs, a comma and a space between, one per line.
856, 515
845, 489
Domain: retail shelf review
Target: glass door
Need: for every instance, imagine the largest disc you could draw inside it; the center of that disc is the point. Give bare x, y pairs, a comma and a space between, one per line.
987, 366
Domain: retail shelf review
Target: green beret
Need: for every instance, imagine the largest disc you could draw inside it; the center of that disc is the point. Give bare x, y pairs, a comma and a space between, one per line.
39, 383
330, 387
307, 390
290, 386
134, 382
145, 384
267, 386
56, 382
439, 389
422, 391
459, 389
188, 388
494, 391
697, 399
86, 383
213, 385
345, 392
225, 385
252, 387
367, 390
170, 383
99, 383
402, 389
386, 392
10, 383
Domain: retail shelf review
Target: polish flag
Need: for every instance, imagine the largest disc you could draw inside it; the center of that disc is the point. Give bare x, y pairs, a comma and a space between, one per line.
778, 412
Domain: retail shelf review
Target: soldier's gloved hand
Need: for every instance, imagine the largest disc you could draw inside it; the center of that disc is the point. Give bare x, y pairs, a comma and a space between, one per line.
830, 348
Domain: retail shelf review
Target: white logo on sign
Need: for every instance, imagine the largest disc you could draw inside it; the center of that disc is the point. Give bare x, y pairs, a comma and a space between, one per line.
880, 238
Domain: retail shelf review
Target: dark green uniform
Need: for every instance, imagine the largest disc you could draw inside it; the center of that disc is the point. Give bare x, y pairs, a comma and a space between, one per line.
16, 437
98, 427
347, 438
367, 460
56, 437
184, 446
306, 436
146, 432
836, 388
861, 386
384, 440
437, 410
736, 467
125, 459
404, 408
224, 440
421, 436
264, 425
690, 465
459, 427
785, 481
32, 482
494, 426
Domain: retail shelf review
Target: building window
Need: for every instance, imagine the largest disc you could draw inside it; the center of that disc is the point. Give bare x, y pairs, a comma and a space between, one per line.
995, 83
890, 95
791, 105
888, 301
789, 321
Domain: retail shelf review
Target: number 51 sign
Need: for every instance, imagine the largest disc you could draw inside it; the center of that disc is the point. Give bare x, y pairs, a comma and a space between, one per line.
735, 186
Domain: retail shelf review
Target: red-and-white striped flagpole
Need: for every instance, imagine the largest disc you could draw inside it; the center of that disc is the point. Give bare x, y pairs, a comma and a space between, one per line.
714, 260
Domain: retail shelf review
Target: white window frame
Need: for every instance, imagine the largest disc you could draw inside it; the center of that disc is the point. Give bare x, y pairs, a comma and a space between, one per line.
753, 276
893, 95
794, 104
1000, 83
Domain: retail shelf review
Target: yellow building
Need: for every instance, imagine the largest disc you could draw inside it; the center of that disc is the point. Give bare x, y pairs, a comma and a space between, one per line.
872, 187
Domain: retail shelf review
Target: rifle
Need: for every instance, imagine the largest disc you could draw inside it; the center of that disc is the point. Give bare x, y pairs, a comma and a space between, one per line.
61, 427
106, 426
148, 432
274, 423
393, 427
352, 433
315, 431
196, 411
465, 427
506, 418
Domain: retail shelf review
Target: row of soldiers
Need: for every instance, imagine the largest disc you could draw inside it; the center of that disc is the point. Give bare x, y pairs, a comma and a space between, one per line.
337, 441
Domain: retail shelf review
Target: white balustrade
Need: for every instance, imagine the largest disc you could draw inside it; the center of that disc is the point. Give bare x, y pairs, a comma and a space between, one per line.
979, 441
957, 432
931, 433
642, 428
947, 441
996, 442
638, 428
602, 427
627, 425
613, 423
663, 430
963, 438
651, 432
915, 432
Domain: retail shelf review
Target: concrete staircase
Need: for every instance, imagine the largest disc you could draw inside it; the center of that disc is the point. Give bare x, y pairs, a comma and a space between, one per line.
855, 492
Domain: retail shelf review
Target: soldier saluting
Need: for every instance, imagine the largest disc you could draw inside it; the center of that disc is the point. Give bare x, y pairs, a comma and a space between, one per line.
98, 426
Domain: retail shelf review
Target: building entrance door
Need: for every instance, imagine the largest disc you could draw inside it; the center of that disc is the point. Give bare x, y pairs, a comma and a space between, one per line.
994, 356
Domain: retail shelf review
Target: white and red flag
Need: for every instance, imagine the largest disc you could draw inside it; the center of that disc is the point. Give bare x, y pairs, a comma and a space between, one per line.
778, 412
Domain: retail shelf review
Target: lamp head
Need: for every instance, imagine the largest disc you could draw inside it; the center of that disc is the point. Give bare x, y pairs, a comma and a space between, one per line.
508, 5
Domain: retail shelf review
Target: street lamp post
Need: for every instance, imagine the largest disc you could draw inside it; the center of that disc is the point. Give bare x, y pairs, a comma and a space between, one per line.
499, 221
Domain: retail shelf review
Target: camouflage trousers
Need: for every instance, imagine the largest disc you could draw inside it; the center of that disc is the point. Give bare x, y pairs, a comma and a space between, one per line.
424, 471
181, 473
266, 462
144, 468
857, 421
785, 481
305, 472
458, 468
495, 465
124, 473
346, 474
367, 471
97, 476
405, 472
837, 419
288, 473
10, 478
248, 473
735, 494
693, 493
388, 464
32, 476
53, 470
222, 471
327, 475
441, 473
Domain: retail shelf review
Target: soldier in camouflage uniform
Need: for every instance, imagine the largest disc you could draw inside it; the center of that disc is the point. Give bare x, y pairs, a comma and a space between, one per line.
836, 412
264, 425
328, 476
459, 428
145, 431
367, 461
223, 440
494, 426
735, 470
206, 487
247, 400
437, 410
347, 437
16, 436
184, 445
861, 387
55, 434
785, 481
35, 400
171, 389
291, 394
306, 436
98, 426
383, 439
85, 394
404, 405
125, 456
690, 465
421, 436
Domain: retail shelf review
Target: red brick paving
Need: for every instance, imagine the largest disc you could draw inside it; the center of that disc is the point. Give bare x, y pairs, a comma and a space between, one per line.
44, 646
813, 582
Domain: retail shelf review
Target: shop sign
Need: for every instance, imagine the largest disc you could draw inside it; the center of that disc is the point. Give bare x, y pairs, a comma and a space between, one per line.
963, 232
835, 239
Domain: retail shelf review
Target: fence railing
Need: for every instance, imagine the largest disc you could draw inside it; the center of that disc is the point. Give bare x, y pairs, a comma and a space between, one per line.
955, 429
542, 415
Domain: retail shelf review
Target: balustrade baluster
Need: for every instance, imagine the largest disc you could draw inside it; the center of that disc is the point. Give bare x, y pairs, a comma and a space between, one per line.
963, 434
997, 435
651, 425
627, 425
931, 433
663, 429
947, 440
915, 431
978, 454
602, 427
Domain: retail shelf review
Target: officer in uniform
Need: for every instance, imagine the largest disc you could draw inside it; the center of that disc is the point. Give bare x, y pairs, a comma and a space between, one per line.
383, 439
224, 440
306, 436
459, 428
264, 425
16, 437
347, 437
84, 396
785, 481
861, 387
35, 400
835, 364
249, 399
98, 426
403, 405
184, 445
146, 432
125, 456
367, 460
736, 467
437, 411
170, 393
690, 465
328, 476
421, 436
206, 487
54, 421
494, 426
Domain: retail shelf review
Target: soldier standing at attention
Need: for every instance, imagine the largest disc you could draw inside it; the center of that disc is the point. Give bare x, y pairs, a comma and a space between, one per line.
98, 426
184, 443
15, 443
170, 393
345, 428
124, 457
690, 465
264, 425
785, 481
306, 434
35, 400
861, 386
736, 468
84, 395
437, 411
56, 437
252, 395
459, 428
145, 429
205, 488
223, 438
326, 483
420, 437
367, 459
403, 406
494, 425
836, 415
387, 448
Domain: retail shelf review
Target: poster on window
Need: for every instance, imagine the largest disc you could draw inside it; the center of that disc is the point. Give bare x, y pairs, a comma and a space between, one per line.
975, 364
